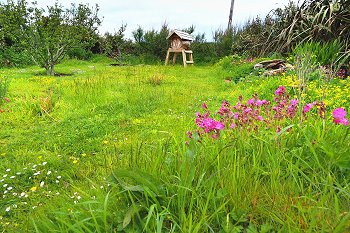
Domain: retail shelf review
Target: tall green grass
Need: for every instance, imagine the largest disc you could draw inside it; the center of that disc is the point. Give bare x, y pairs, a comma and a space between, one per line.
116, 135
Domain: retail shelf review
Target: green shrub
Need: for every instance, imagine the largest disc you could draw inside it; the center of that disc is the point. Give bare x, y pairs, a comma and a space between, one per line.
11, 56
235, 67
80, 53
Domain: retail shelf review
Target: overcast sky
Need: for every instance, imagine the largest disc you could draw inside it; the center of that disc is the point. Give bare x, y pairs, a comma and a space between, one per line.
205, 15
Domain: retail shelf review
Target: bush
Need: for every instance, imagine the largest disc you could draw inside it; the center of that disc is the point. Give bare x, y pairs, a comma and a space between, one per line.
235, 67
204, 52
11, 56
80, 53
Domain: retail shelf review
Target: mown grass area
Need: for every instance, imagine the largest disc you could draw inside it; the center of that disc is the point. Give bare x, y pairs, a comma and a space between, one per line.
103, 149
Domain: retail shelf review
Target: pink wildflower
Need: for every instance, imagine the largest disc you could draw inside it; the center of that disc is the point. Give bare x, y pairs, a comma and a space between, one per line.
251, 101
339, 115
261, 102
189, 134
307, 107
204, 105
238, 105
280, 91
278, 129
247, 110
225, 108
341, 121
294, 102
210, 124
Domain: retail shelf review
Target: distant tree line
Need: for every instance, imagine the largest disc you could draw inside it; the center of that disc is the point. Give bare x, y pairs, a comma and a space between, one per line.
32, 35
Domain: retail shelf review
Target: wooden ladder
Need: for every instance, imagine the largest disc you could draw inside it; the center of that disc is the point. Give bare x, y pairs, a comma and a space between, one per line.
184, 57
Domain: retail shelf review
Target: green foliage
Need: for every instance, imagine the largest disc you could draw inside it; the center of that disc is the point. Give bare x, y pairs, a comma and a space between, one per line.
79, 53
12, 56
115, 45
152, 43
204, 52
284, 28
48, 34
4, 83
223, 41
248, 40
318, 20
235, 68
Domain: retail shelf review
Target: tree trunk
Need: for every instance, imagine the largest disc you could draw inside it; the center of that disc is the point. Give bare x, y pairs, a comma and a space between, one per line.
50, 70
230, 17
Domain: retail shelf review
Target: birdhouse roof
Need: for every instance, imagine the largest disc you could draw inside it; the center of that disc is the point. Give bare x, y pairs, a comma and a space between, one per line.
181, 34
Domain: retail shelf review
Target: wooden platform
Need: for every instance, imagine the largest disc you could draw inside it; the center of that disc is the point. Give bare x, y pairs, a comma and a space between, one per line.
184, 56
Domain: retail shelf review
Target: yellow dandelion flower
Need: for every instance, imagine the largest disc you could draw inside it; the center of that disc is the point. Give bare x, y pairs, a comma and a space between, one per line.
33, 189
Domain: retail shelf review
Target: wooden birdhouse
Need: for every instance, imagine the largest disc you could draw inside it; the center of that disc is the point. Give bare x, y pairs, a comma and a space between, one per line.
180, 43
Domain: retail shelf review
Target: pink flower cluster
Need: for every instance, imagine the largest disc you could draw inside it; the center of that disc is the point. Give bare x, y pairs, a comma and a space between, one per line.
208, 125
339, 116
256, 113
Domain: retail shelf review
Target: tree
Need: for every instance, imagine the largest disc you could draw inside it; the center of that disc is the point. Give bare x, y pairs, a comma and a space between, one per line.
49, 34
113, 44
231, 14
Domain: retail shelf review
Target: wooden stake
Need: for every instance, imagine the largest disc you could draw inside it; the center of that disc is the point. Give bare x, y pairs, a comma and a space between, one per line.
184, 58
167, 57
174, 58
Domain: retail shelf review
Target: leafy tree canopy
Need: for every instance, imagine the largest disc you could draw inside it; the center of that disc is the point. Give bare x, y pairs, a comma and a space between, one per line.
49, 33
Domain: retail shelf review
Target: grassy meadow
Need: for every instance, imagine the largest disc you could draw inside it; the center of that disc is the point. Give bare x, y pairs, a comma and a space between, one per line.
104, 149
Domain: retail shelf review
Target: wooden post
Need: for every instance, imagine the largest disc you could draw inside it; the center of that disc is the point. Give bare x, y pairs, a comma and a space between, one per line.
167, 57
184, 58
174, 58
